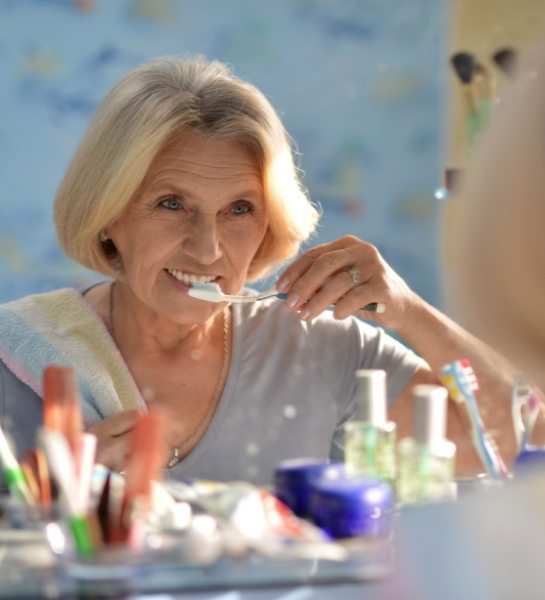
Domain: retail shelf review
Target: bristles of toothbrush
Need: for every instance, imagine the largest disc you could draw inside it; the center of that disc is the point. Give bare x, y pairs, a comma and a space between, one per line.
460, 380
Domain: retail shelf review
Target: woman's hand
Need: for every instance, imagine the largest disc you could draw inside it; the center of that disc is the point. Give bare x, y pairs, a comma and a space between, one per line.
113, 437
321, 277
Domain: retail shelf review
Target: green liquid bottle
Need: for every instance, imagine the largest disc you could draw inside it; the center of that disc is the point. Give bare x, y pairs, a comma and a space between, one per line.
426, 460
370, 439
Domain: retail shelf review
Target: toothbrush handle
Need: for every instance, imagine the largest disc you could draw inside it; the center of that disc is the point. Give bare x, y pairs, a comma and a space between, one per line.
377, 307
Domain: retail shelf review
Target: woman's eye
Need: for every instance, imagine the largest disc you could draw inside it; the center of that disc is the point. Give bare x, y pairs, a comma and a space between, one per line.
241, 208
171, 203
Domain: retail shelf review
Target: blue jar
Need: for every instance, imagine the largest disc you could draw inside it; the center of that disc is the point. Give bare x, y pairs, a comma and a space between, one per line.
294, 481
532, 457
353, 507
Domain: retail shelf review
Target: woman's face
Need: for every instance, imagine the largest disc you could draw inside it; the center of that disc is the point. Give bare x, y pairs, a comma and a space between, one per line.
199, 215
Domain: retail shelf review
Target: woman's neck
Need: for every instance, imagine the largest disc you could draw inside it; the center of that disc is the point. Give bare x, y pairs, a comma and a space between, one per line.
135, 326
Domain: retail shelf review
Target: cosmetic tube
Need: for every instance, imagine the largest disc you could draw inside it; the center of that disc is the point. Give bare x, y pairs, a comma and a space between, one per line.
370, 440
426, 460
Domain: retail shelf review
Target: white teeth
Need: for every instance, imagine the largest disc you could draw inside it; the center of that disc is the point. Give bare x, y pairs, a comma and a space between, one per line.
190, 279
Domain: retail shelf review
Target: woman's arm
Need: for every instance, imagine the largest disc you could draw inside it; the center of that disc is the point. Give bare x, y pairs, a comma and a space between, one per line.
440, 341
320, 278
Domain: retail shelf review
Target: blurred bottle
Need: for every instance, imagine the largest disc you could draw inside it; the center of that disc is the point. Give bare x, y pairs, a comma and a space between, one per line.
370, 440
426, 460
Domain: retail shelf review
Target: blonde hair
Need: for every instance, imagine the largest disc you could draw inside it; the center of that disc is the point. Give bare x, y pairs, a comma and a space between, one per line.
143, 111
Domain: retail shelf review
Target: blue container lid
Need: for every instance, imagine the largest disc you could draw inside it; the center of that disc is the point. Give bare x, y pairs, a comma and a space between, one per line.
294, 480
531, 457
352, 507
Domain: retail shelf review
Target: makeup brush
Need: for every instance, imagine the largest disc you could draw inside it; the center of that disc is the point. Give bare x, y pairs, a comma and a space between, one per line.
61, 405
36, 470
144, 466
506, 60
14, 476
63, 468
463, 64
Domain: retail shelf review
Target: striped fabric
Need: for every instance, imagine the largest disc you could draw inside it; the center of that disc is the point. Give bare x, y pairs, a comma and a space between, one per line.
59, 327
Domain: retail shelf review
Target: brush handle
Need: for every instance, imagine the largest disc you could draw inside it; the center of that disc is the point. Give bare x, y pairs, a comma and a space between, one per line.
378, 307
214, 294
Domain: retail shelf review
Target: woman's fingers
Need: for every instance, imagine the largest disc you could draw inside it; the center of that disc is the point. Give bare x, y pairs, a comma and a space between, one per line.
113, 435
315, 265
116, 424
112, 452
331, 274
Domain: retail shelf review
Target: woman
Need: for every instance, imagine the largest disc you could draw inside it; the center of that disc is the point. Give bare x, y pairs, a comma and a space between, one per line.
186, 176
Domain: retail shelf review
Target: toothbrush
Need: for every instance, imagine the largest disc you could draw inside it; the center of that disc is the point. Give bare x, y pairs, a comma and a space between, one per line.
526, 407
211, 292
460, 380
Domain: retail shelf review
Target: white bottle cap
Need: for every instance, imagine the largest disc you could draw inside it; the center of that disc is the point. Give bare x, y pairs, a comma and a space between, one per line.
371, 396
430, 414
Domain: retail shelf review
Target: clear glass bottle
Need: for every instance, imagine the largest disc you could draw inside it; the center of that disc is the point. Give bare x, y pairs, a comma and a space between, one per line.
370, 440
426, 460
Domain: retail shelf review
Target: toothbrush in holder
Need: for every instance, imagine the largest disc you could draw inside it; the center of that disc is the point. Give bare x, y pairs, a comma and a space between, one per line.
211, 292
461, 382
526, 407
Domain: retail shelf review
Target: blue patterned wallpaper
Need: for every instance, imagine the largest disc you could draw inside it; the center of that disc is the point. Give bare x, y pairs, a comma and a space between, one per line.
357, 82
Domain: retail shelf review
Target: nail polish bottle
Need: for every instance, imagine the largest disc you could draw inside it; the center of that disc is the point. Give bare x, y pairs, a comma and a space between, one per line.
426, 460
370, 440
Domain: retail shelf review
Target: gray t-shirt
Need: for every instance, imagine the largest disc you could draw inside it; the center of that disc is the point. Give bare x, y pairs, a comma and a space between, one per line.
289, 390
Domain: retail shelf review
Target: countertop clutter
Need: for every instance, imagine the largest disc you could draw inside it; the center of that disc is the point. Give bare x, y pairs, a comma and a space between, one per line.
372, 524
200, 537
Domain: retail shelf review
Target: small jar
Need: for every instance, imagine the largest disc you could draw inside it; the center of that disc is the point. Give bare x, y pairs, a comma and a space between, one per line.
353, 507
294, 481
532, 457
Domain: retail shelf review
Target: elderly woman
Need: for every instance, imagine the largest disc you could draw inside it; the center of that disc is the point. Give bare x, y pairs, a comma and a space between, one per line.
186, 176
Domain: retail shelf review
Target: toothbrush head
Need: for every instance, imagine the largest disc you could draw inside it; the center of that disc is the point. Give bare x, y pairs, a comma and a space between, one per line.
466, 371
459, 379
210, 292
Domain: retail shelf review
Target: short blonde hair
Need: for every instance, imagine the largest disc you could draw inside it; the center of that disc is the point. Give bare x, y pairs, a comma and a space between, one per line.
144, 110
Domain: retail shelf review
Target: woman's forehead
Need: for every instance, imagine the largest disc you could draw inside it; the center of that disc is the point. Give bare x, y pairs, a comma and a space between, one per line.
195, 143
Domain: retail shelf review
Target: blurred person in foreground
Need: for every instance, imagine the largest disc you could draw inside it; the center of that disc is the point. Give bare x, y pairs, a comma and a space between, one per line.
186, 175
497, 238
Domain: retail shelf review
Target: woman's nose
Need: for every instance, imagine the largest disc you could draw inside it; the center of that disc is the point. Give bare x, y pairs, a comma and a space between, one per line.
202, 243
